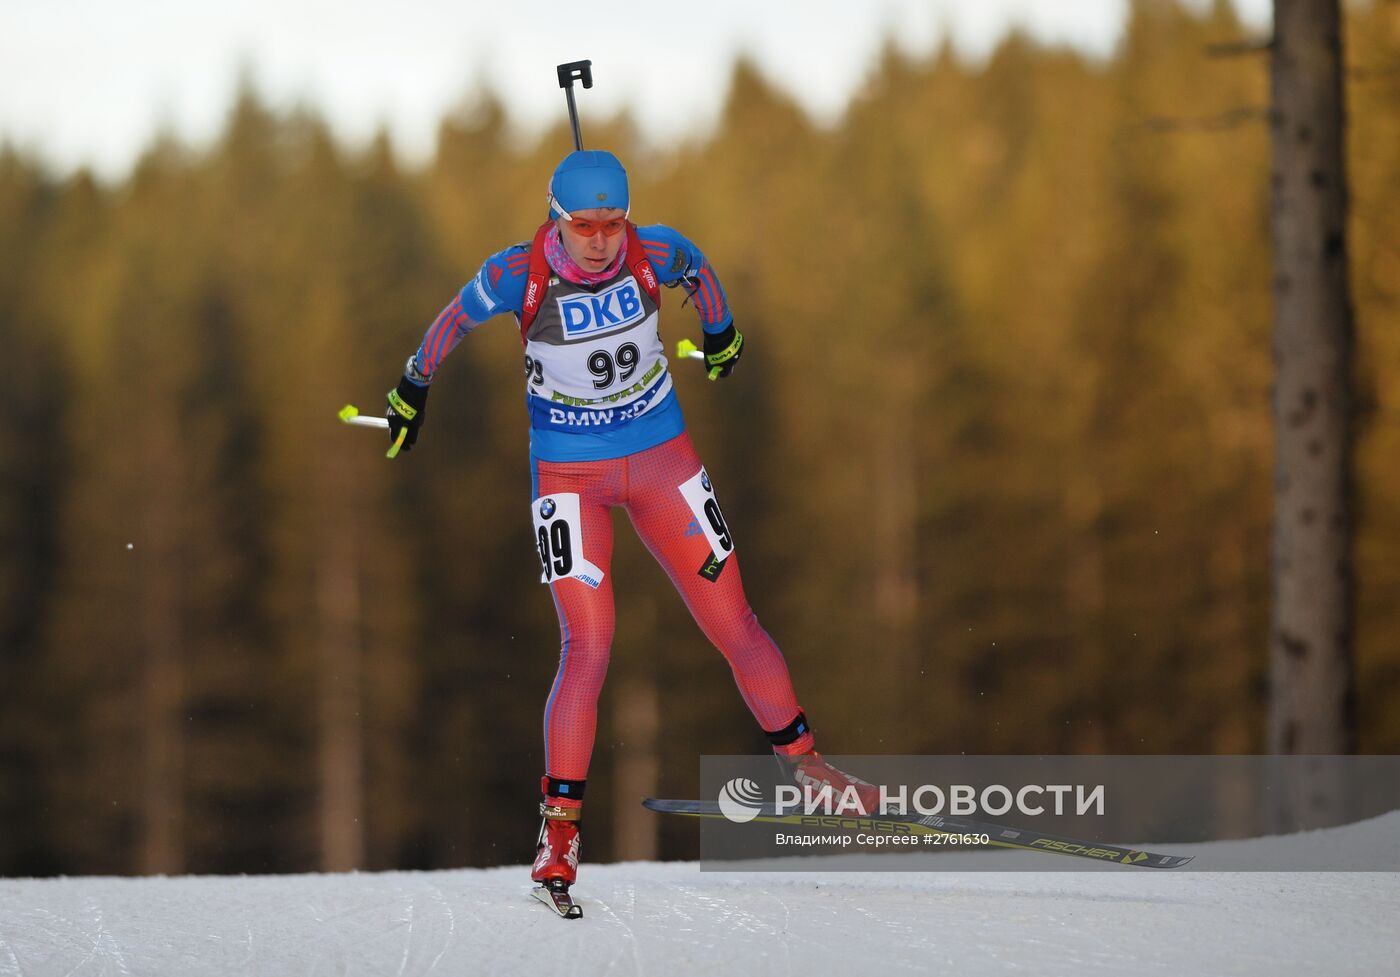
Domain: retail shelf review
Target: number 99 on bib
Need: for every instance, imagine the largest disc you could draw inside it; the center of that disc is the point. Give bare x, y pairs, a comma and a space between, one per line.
559, 540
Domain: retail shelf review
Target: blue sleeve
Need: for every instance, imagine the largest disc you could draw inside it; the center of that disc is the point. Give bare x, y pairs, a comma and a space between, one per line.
498, 287
679, 262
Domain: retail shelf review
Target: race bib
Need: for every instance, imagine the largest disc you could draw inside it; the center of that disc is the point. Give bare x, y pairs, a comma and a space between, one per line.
699, 494
559, 540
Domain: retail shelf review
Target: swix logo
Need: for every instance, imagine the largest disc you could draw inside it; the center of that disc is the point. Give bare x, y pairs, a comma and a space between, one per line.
613, 308
532, 294
648, 277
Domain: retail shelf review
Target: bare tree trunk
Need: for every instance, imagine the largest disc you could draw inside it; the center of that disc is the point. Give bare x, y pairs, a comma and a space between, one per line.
162, 672
894, 553
1311, 638
1086, 590
339, 660
637, 720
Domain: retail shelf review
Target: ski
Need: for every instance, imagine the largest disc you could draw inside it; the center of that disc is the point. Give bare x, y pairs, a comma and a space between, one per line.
557, 897
1001, 836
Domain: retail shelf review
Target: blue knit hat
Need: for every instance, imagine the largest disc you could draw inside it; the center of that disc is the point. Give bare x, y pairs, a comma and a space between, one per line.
586, 179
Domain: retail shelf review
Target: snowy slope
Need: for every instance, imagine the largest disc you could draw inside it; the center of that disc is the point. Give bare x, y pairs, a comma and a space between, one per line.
648, 918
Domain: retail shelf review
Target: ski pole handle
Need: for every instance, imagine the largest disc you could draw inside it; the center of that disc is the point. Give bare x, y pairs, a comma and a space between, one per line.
687, 350
350, 414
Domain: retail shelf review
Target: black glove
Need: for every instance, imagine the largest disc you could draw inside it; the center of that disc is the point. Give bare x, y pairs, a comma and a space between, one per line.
407, 402
722, 351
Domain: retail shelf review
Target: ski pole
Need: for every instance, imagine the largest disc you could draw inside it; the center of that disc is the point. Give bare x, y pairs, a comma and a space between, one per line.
580, 71
351, 415
687, 350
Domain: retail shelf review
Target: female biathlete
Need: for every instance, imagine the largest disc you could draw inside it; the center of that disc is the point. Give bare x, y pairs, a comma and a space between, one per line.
606, 430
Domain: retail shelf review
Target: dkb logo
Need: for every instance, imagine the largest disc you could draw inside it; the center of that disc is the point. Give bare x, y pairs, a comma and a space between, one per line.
614, 308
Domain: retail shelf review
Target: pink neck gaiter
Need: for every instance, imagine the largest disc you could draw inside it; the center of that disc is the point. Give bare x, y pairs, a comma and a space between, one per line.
569, 269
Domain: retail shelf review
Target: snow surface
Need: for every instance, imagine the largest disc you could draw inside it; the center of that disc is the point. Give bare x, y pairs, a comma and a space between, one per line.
663, 918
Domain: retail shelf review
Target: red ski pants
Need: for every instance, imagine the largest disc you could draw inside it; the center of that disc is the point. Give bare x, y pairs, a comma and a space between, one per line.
671, 503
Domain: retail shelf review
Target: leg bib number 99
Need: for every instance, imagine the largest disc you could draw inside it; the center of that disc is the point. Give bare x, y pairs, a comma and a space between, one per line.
559, 540
699, 494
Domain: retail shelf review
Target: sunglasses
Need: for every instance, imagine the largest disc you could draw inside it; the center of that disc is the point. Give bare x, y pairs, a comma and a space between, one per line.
587, 228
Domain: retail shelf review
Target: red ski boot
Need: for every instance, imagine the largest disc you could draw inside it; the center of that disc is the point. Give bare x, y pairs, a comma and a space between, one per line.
557, 849
556, 852
811, 771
